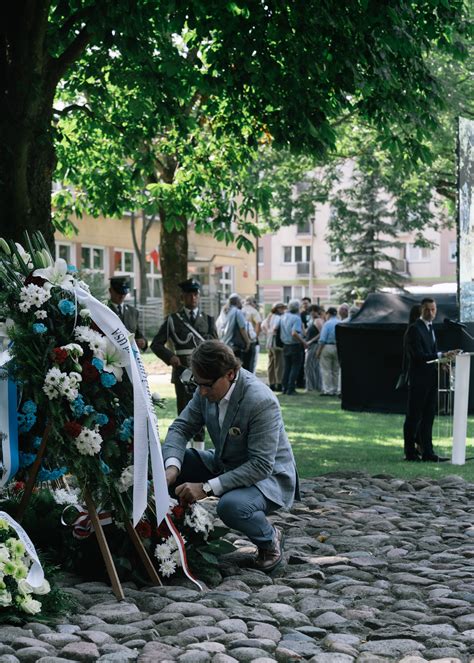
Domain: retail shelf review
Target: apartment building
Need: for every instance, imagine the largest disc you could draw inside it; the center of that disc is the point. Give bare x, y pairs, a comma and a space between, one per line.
104, 246
298, 262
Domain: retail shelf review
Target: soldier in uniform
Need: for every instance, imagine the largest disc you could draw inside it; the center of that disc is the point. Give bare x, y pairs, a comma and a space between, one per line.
184, 331
128, 314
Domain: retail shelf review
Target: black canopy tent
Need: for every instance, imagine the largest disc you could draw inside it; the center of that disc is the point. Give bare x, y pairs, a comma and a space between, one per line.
370, 349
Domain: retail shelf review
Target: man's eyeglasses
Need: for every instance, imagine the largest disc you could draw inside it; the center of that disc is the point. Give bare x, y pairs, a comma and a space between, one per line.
207, 385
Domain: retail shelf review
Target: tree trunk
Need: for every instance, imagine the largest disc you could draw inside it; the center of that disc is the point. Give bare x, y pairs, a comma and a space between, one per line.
174, 262
26, 141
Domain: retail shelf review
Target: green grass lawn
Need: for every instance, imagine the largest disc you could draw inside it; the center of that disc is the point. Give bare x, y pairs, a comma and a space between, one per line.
327, 439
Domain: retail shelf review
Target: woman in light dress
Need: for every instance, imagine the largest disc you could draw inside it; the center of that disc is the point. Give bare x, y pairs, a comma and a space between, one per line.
312, 370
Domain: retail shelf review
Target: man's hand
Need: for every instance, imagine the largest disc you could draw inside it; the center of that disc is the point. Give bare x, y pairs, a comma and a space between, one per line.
174, 361
141, 343
189, 493
171, 474
450, 354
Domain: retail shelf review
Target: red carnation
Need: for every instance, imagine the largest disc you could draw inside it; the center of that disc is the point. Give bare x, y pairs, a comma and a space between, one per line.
89, 372
162, 531
143, 529
109, 428
72, 428
18, 485
59, 355
178, 512
36, 280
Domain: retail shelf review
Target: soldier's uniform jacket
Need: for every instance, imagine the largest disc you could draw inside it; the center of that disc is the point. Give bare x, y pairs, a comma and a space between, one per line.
130, 318
175, 331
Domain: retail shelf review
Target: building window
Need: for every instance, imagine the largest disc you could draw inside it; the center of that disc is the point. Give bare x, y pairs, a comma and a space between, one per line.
453, 251
287, 254
417, 253
260, 255
303, 228
124, 261
153, 276
296, 254
64, 251
225, 280
294, 292
92, 258
335, 258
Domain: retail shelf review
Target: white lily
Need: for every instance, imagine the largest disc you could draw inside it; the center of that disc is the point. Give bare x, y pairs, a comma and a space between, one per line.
56, 274
113, 359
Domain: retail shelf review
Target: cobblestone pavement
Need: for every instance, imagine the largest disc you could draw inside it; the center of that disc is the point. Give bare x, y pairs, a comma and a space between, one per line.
377, 570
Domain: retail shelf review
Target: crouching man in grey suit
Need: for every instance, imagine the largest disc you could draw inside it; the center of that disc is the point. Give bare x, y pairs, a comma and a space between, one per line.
251, 468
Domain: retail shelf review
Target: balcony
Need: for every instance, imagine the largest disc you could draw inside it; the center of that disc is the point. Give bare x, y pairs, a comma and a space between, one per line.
302, 268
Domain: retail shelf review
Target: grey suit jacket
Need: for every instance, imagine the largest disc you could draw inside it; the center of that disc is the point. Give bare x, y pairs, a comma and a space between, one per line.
251, 449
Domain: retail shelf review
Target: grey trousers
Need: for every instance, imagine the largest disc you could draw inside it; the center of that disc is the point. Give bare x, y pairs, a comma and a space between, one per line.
243, 509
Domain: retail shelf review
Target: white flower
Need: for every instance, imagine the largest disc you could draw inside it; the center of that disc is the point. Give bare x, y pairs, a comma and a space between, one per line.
64, 496
162, 551
5, 599
73, 349
126, 479
44, 588
85, 313
50, 391
83, 285
41, 315
94, 340
24, 587
75, 378
29, 605
56, 275
112, 358
167, 567
4, 553
88, 442
24, 307
24, 255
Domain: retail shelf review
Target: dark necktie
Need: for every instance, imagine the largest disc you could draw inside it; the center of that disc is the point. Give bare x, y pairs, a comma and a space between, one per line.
192, 317
120, 310
430, 329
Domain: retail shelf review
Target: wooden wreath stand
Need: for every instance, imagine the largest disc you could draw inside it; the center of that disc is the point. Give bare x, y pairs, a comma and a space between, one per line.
99, 531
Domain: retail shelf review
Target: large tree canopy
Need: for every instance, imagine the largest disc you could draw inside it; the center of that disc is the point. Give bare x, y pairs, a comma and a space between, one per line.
296, 67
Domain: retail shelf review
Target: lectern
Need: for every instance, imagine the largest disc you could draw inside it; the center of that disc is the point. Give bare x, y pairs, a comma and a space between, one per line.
460, 368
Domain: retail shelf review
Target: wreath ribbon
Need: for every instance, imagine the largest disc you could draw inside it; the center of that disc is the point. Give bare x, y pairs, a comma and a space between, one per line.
9, 461
35, 576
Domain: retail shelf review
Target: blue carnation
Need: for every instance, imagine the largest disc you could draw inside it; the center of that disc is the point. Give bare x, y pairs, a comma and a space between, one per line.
26, 459
51, 475
98, 363
77, 406
29, 407
37, 442
39, 328
104, 468
88, 409
66, 307
108, 379
126, 429
25, 422
102, 419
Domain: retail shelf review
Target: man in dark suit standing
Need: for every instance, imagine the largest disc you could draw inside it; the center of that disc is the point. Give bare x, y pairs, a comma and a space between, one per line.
128, 314
176, 339
420, 348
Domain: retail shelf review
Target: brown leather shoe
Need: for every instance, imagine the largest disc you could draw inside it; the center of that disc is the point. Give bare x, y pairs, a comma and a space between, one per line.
268, 560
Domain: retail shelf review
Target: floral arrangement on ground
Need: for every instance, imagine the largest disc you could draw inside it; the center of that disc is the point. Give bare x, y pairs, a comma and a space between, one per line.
70, 376
21, 599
